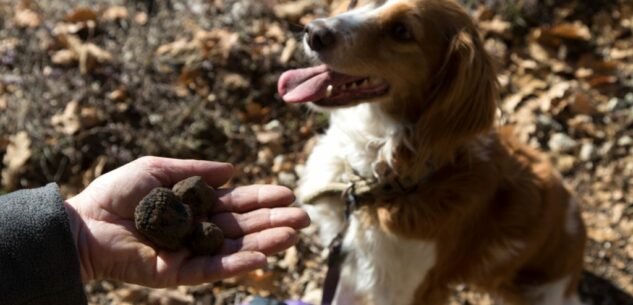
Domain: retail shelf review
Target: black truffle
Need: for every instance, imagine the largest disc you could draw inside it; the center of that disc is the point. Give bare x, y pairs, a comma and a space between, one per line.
206, 239
163, 219
195, 193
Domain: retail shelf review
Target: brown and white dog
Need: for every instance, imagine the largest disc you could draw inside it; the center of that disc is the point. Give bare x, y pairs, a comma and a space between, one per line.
412, 92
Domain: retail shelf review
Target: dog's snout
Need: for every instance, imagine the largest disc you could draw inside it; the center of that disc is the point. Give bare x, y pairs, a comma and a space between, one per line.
319, 36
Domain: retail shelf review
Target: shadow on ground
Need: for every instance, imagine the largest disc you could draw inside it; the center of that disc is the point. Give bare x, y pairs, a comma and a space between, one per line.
595, 290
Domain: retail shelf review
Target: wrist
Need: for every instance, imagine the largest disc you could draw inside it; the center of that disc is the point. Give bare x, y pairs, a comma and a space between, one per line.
77, 230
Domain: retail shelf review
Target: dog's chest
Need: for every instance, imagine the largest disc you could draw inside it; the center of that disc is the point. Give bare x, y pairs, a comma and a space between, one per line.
380, 268
383, 267
366, 138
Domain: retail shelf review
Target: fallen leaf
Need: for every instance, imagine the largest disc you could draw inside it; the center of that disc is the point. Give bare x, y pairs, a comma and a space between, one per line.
583, 73
550, 100
275, 33
27, 18
572, 31
497, 48
259, 280
68, 28
3, 103
68, 121
602, 234
18, 153
267, 137
174, 49
141, 18
293, 10
169, 297
117, 95
582, 123
217, 42
234, 81
70, 42
114, 13
290, 260
82, 14
539, 53
561, 143
598, 81
580, 104
64, 57
180, 52
4, 142
95, 170
497, 26
619, 54
8, 44
530, 85
88, 54
303, 21
91, 54
255, 111
90, 117
288, 51
128, 295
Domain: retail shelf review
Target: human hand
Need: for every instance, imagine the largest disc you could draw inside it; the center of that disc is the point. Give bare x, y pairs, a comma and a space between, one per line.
255, 219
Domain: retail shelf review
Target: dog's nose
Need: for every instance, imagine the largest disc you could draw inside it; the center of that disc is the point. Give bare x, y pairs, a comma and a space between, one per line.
319, 35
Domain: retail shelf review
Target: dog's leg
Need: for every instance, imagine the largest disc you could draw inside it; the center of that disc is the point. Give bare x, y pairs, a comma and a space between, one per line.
324, 166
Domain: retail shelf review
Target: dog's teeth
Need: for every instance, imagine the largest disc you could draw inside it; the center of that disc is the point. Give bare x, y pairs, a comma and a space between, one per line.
353, 86
364, 82
373, 81
328, 91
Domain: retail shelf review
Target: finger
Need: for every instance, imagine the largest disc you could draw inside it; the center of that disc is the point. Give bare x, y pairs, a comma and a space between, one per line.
237, 225
204, 269
269, 241
248, 198
170, 171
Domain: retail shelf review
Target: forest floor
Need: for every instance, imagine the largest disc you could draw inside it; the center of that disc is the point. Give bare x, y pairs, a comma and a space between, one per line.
86, 86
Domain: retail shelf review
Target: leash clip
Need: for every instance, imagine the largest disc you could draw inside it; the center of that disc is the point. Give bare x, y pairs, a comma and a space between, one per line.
351, 200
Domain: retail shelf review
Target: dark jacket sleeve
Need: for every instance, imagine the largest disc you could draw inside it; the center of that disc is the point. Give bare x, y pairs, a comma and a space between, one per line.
38, 258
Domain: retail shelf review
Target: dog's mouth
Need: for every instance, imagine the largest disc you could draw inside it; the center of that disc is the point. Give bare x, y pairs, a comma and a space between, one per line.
327, 88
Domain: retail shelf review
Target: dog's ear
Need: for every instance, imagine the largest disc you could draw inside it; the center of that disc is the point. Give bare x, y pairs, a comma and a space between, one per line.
462, 101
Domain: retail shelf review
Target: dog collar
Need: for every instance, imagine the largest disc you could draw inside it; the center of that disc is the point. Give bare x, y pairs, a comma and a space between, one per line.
362, 191
358, 192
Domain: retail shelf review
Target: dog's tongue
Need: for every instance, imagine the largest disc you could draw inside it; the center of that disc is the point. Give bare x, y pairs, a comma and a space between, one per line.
309, 84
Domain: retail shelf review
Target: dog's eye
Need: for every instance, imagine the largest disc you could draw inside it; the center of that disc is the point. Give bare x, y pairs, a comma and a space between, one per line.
400, 32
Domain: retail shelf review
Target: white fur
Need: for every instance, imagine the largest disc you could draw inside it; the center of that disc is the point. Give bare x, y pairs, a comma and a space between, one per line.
379, 266
355, 139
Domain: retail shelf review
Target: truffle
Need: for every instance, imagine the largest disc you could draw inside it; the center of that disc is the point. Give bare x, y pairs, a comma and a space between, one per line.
206, 239
195, 193
163, 219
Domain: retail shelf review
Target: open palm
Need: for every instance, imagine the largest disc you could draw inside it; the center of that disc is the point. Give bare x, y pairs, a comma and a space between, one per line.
255, 219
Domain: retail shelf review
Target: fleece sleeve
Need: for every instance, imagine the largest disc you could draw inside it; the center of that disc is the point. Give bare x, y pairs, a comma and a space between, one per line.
38, 258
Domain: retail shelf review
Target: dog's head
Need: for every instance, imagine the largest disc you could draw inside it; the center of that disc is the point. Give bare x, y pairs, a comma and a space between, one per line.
422, 60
